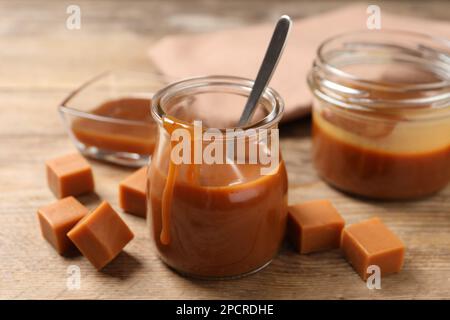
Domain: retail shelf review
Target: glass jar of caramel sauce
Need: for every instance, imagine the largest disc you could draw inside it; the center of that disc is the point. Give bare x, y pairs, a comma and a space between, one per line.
221, 213
381, 113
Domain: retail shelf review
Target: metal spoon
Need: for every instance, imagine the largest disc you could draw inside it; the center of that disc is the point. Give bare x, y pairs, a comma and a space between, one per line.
267, 68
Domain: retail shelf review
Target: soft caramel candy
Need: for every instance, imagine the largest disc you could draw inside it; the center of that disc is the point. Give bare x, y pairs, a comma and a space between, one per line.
132, 193
101, 235
57, 219
370, 242
314, 226
69, 175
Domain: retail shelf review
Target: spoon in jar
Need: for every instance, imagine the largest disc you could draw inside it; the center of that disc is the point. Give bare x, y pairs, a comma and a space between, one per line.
267, 68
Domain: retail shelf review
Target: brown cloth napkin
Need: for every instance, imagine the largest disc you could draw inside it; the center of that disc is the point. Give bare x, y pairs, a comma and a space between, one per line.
240, 51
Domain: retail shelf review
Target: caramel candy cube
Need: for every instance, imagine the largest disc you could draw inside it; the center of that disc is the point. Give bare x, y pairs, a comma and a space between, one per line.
132, 193
57, 219
314, 226
69, 175
101, 235
370, 242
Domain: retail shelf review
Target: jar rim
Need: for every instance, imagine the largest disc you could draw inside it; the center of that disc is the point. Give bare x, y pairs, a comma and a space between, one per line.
272, 118
391, 32
430, 53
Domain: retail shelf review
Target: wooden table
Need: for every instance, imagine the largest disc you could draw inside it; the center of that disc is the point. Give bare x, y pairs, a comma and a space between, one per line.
41, 61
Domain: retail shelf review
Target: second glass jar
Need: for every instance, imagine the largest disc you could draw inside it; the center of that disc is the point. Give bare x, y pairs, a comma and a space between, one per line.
381, 113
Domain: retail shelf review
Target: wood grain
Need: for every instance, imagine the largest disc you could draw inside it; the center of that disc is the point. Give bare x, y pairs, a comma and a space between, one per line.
41, 61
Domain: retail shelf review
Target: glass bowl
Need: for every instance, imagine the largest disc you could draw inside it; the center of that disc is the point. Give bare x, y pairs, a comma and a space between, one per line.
108, 117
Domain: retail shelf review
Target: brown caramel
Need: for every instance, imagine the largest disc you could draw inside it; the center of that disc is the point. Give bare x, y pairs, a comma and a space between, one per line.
314, 226
101, 235
370, 242
240, 234
379, 174
138, 137
69, 175
57, 219
390, 147
132, 193
216, 220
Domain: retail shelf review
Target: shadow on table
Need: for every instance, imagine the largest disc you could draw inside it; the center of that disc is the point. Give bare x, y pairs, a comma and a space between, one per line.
90, 200
439, 200
300, 128
123, 266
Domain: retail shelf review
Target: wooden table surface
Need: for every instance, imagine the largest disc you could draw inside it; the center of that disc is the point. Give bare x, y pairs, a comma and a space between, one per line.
41, 61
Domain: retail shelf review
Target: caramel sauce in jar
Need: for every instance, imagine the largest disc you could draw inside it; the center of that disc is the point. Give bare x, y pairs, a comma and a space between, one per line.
214, 220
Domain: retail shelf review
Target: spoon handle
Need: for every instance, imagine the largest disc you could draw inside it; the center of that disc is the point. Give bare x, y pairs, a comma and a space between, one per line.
267, 68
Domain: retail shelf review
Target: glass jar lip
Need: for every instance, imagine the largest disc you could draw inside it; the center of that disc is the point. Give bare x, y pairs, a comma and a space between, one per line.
348, 91
321, 60
65, 108
272, 118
